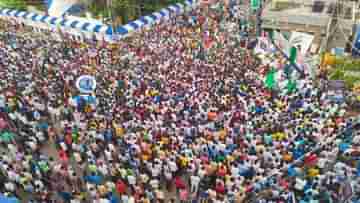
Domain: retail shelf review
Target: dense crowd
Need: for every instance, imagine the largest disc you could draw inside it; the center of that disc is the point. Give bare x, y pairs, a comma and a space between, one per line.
181, 113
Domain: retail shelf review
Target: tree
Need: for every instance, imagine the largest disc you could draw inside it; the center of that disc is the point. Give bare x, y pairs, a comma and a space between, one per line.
128, 9
13, 4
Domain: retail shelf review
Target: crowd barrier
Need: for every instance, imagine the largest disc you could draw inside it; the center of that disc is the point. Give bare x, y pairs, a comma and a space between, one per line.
90, 30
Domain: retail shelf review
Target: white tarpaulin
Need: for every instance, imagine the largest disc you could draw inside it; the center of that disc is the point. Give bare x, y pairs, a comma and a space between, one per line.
302, 40
57, 8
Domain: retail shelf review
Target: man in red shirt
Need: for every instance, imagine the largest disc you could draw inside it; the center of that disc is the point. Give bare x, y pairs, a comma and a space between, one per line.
121, 187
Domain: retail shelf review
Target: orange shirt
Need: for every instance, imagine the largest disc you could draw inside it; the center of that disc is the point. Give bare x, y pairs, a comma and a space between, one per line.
212, 116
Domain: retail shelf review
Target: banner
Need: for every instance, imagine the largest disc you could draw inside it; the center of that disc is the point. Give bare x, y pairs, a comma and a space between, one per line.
86, 84
302, 41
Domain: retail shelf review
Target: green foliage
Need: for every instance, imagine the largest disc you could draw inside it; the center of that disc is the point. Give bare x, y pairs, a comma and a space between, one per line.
346, 69
337, 74
13, 4
347, 64
130, 9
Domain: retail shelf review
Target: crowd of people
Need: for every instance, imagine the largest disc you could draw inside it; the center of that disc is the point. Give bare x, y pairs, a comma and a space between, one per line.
180, 114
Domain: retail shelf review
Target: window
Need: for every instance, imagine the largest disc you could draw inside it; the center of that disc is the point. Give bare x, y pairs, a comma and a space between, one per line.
318, 7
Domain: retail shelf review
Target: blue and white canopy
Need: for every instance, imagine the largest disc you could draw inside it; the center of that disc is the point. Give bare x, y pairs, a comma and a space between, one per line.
87, 26
55, 21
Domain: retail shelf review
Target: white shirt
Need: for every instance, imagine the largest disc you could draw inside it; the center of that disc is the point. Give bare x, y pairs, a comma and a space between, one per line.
154, 183
173, 166
108, 155
10, 186
195, 180
131, 180
2, 101
202, 173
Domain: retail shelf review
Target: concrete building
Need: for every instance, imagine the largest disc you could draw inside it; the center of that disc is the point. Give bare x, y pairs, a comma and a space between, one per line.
312, 16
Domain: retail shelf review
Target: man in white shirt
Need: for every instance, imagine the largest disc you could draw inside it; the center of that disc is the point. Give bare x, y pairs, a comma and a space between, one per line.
194, 182
9, 186
154, 183
132, 180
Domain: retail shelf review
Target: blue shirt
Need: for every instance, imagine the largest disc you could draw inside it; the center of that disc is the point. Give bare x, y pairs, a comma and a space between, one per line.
343, 146
291, 171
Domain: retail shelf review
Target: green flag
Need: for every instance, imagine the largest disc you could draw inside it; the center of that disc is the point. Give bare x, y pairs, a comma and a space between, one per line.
270, 79
293, 54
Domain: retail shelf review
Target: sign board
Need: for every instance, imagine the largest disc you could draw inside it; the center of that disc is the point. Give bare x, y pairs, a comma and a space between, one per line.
86, 84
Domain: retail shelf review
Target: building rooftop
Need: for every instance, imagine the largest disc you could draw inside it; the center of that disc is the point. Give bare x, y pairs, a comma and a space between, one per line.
313, 13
